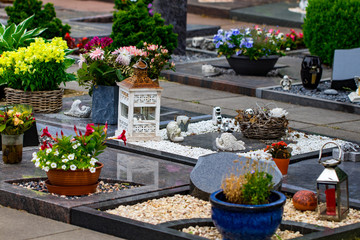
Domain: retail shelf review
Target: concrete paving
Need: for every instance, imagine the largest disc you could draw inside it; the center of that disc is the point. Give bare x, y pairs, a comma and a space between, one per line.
16, 224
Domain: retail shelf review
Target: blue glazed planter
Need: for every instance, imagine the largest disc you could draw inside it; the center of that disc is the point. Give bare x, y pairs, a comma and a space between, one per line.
105, 101
250, 222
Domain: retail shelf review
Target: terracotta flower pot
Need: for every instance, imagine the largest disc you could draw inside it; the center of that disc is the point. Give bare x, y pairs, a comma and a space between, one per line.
73, 183
282, 164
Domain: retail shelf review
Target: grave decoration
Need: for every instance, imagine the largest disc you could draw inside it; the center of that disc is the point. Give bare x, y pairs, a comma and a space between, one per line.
71, 163
139, 105
305, 200
332, 189
14, 121
173, 132
281, 154
183, 121
311, 72
250, 51
228, 142
285, 83
35, 81
245, 207
262, 123
351, 152
355, 96
76, 111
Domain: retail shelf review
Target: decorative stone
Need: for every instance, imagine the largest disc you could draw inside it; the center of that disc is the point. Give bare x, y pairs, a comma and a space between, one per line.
347, 156
209, 171
207, 68
331, 92
197, 41
305, 200
174, 132
354, 97
183, 122
75, 110
227, 142
207, 44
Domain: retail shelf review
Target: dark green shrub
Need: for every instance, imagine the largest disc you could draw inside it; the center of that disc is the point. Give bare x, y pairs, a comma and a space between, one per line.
136, 26
44, 18
330, 25
125, 4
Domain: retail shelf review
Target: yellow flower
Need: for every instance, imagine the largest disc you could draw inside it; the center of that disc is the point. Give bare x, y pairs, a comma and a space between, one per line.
17, 121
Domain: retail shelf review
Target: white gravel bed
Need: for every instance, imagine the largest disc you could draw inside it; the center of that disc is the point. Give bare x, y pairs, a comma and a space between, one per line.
213, 234
303, 142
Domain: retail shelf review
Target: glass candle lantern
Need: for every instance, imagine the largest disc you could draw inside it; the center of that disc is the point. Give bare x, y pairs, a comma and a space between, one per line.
332, 189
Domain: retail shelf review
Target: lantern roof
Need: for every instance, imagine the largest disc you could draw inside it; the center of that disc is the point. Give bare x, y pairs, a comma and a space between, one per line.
332, 176
140, 78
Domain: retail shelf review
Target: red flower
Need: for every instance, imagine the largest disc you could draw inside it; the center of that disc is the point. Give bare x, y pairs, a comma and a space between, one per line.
106, 128
122, 136
89, 129
46, 133
44, 146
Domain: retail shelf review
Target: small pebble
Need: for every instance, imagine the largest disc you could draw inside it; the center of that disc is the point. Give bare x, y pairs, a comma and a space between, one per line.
331, 92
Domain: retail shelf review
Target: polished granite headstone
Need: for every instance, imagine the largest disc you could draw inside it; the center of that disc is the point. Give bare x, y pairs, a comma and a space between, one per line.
210, 170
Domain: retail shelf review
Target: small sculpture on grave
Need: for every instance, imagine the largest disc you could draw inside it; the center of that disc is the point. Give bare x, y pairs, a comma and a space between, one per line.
216, 116
183, 122
174, 132
75, 110
355, 96
227, 142
286, 83
351, 152
227, 125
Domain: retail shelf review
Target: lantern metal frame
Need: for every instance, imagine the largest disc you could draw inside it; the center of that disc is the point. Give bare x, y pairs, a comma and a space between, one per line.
332, 178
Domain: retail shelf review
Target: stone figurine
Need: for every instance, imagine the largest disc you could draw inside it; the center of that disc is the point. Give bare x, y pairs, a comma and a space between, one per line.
286, 83
216, 116
76, 111
227, 142
174, 132
183, 122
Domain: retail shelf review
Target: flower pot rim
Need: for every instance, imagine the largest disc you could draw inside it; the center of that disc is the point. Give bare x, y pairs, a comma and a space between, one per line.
99, 165
263, 57
215, 200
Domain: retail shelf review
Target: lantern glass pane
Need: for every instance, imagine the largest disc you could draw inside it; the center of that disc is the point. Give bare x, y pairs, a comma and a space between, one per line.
327, 200
124, 110
344, 203
144, 113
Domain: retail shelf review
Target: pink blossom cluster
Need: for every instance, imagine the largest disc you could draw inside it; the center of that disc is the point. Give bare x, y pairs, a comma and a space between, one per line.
132, 50
97, 54
97, 42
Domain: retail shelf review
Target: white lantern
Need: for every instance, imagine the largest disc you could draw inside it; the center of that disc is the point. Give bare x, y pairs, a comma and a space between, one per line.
139, 106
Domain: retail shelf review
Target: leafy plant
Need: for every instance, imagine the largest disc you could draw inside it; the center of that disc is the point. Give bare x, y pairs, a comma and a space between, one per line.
41, 66
79, 152
16, 120
125, 4
44, 18
135, 26
15, 36
249, 185
330, 25
279, 150
254, 43
293, 40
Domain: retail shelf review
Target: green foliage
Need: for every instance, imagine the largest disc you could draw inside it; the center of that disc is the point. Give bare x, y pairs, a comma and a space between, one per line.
15, 36
136, 26
330, 25
44, 18
125, 4
16, 119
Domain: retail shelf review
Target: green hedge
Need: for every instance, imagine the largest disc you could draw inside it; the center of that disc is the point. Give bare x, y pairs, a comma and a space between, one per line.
136, 26
330, 25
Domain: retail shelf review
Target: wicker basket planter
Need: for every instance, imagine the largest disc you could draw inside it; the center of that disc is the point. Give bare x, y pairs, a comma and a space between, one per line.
261, 127
41, 101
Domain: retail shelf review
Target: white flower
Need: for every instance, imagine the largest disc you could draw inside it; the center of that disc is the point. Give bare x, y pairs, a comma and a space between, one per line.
81, 61
53, 165
88, 155
46, 169
71, 156
47, 163
93, 161
65, 160
92, 169
56, 153
278, 113
48, 151
75, 146
124, 57
37, 164
63, 167
34, 155
73, 167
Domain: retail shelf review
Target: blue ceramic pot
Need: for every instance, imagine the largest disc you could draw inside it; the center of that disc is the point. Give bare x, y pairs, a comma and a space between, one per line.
250, 222
244, 66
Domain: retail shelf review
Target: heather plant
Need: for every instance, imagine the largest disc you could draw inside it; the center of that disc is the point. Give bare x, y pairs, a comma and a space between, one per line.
44, 17
330, 25
135, 26
248, 185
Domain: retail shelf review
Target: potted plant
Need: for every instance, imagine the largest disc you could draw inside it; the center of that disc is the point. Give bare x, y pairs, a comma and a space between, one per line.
250, 51
281, 155
33, 74
71, 163
246, 207
14, 121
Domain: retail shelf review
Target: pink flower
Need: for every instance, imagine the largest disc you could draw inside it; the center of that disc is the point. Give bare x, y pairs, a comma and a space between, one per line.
89, 129
46, 133
152, 47
97, 54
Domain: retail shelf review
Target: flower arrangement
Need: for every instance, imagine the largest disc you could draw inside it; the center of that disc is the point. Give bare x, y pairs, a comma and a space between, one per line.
67, 152
38, 67
249, 185
293, 40
279, 150
254, 43
16, 120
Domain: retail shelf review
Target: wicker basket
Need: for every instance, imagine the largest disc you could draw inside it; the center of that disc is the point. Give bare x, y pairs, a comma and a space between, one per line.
41, 101
262, 128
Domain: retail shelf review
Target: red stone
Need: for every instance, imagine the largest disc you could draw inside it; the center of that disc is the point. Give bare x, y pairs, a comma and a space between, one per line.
305, 200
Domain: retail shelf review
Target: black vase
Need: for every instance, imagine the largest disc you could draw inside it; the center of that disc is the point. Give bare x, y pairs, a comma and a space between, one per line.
311, 72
